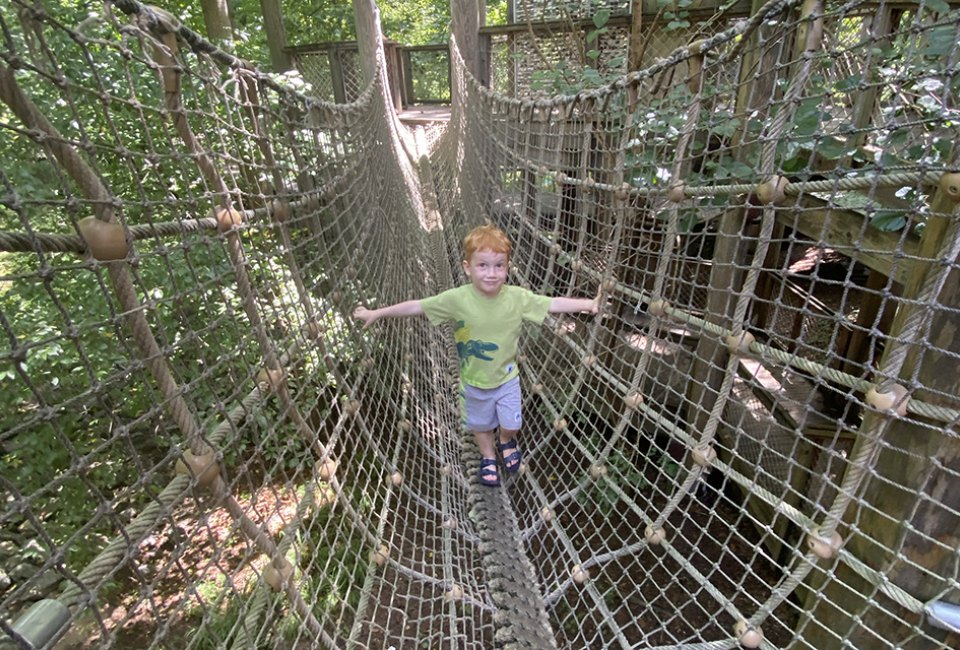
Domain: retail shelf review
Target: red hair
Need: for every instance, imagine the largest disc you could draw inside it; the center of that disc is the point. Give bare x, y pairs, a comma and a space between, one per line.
486, 237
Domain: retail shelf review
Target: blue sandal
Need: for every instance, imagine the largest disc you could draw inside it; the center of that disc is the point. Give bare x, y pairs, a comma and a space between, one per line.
488, 476
511, 461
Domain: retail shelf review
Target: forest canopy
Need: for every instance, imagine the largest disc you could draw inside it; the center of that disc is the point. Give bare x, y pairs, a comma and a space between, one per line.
410, 22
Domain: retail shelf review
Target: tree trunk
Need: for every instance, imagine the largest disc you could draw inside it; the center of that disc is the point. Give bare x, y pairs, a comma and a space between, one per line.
276, 35
216, 16
465, 25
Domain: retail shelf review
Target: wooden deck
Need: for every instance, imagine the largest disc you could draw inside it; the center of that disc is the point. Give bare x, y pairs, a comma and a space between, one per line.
430, 114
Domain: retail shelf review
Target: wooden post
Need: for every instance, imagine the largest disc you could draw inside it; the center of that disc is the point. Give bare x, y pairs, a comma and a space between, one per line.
336, 75
393, 74
910, 541
767, 283
409, 98
872, 310
710, 356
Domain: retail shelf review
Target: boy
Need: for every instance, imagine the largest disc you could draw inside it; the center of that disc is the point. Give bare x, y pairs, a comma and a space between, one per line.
488, 315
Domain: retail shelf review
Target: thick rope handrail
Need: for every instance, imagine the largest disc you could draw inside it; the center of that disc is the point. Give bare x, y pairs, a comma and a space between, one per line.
848, 182
17, 242
634, 79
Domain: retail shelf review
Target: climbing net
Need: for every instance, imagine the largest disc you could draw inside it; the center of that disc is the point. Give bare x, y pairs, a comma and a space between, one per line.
754, 441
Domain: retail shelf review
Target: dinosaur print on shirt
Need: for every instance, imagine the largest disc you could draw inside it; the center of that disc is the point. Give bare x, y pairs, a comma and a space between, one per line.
467, 347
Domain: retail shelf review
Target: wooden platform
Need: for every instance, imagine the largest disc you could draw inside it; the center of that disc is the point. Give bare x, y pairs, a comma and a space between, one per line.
429, 114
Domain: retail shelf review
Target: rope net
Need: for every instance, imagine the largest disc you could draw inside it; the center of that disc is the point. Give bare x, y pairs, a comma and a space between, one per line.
753, 442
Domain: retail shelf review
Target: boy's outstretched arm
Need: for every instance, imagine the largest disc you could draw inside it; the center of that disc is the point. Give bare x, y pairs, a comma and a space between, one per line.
570, 305
370, 316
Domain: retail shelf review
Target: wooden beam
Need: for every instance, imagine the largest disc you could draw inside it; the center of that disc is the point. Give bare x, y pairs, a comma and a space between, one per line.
846, 232
822, 432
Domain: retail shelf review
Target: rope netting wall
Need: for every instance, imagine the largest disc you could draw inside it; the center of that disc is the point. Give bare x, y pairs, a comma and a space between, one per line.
753, 442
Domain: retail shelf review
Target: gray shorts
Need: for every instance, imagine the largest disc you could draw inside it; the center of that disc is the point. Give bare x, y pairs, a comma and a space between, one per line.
488, 407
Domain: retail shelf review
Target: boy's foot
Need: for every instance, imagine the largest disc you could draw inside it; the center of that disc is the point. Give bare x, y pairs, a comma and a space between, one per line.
488, 472
511, 461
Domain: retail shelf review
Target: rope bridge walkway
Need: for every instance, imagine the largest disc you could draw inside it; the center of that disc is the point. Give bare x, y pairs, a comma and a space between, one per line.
753, 443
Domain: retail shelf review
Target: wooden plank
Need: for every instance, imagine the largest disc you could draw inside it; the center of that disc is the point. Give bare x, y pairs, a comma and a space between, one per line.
846, 232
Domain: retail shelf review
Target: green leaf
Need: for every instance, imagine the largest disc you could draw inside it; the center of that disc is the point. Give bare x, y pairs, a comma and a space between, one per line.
940, 40
740, 170
794, 164
943, 146
831, 148
849, 83
688, 221
888, 220
899, 136
938, 6
727, 127
601, 17
889, 159
807, 119
915, 152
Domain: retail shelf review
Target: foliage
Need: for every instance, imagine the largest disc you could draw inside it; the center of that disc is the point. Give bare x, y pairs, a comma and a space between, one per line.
77, 404
430, 75
316, 21
334, 572
411, 22
496, 12
330, 569
571, 76
676, 13
415, 22
821, 132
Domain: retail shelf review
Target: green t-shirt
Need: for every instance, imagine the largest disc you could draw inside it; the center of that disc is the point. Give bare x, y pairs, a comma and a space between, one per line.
486, 329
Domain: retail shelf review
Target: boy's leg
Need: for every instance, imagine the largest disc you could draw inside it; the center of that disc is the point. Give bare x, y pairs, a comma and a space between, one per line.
486, 442
480, 410
511, 453
509, 407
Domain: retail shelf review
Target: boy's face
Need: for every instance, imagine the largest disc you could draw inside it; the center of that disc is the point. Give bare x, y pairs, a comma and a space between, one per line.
487, 271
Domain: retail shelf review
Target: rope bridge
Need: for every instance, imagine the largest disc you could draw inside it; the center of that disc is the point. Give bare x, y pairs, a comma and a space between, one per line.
753, 443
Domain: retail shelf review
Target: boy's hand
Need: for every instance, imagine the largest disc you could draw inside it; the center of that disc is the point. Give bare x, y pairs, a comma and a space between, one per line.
595, 305
366, 315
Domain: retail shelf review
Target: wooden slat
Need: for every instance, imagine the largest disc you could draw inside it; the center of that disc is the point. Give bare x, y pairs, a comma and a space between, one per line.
844, 231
